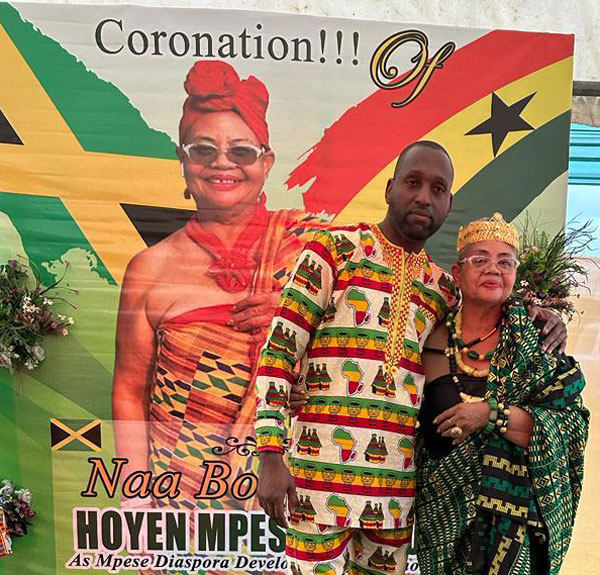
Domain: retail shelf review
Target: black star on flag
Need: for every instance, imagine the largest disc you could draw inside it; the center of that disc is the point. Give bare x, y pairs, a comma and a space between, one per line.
504, 119
7, 132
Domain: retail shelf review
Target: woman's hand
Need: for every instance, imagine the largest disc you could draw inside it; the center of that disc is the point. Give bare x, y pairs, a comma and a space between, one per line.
254, 313
470, 417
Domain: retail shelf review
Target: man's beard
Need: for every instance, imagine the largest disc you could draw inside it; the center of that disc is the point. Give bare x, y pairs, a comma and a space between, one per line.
418, 232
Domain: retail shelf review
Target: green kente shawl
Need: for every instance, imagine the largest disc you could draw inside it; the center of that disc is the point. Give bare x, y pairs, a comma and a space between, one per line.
474, 506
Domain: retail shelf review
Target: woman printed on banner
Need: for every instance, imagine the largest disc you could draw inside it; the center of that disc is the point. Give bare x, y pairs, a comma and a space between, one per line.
195, 307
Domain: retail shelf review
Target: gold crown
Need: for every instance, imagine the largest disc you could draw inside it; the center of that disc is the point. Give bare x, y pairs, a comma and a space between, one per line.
494, 228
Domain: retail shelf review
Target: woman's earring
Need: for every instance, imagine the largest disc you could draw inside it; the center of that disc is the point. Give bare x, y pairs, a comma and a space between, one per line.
186, 194
182, 170
458, 295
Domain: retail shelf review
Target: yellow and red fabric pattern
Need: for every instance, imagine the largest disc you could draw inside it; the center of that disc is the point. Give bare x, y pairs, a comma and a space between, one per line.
329, 550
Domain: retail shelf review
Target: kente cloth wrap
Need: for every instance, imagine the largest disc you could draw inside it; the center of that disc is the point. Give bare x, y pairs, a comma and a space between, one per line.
478, 506
202, 396
5, 545
355, 314
215, 86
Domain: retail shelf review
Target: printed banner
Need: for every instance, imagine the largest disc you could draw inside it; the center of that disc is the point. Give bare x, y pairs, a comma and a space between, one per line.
135, 433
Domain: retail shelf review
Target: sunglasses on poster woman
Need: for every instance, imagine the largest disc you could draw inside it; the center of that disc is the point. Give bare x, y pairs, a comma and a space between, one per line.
206, 154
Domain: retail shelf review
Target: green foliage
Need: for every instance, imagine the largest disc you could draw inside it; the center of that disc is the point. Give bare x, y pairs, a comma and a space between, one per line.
551, 268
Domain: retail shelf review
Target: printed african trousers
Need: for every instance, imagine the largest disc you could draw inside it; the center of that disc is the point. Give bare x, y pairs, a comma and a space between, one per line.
315, 549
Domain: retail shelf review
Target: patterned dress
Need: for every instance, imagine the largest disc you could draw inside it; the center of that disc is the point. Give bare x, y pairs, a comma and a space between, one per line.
355, 313
481, 508
202, 394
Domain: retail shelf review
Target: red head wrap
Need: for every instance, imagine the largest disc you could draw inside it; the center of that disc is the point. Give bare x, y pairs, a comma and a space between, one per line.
215, 86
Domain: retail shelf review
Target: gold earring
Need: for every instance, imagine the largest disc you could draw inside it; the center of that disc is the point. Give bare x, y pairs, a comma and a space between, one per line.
182, 170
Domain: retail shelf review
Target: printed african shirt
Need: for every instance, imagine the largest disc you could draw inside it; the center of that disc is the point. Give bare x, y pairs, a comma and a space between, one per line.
355, 313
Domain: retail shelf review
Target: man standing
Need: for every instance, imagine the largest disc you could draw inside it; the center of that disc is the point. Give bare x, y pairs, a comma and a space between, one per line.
356, 311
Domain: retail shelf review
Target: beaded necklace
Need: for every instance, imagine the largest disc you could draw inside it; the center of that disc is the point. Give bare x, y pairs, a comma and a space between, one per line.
457, 347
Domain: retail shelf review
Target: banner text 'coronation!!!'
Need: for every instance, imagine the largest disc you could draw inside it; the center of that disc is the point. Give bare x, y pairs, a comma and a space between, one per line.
113, 37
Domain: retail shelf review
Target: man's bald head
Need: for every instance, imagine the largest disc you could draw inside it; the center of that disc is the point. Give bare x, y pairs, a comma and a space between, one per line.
421, 144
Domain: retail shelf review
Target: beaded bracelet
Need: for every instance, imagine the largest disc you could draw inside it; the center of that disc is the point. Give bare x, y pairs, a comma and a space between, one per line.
503, 418
491, 424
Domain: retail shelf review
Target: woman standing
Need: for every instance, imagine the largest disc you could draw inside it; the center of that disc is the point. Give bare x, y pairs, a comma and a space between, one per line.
503, 427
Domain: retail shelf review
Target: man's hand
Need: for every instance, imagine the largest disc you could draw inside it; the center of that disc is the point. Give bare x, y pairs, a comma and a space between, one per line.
554, 330
298, 396
275, 483
254, 313
470, 417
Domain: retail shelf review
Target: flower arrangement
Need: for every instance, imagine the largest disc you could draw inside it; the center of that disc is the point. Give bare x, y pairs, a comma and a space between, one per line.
550, 268
16, 504
26, 316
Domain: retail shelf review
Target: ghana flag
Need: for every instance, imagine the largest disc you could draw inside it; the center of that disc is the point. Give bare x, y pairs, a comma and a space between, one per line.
505, 121
89, 177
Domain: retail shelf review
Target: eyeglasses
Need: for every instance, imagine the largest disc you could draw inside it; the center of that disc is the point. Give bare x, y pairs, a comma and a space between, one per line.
206, 154
505, 265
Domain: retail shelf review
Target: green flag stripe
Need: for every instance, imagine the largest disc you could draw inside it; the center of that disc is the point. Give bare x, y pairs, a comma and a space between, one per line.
31, 469
47, 230
83, 383
9, 466
508, 184
107, 122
